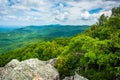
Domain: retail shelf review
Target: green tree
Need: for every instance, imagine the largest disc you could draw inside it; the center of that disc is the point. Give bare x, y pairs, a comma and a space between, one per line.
116, 11
102, 20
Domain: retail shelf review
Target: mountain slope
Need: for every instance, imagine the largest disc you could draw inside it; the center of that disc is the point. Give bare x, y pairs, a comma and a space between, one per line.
32, 34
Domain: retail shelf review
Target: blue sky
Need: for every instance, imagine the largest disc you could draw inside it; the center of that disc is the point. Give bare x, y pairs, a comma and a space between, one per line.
45, 12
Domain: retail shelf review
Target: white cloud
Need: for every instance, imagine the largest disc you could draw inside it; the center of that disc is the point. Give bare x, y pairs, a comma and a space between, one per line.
40, 12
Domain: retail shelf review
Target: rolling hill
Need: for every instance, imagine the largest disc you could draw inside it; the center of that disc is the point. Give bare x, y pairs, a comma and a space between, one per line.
4, 29
20, 37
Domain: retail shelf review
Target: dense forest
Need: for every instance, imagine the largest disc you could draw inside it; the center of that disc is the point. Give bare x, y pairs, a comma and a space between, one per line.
94, 54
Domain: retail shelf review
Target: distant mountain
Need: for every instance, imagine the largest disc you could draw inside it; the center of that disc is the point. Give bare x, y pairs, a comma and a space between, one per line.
6, 29
31, 34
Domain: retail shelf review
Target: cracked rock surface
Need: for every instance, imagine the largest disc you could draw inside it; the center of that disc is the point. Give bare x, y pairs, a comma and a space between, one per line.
31, 69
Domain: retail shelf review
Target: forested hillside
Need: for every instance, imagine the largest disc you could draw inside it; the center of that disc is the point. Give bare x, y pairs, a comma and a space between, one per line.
94, 54
18, 38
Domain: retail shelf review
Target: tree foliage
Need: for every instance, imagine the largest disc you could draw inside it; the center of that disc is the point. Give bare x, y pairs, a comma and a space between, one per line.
116, 11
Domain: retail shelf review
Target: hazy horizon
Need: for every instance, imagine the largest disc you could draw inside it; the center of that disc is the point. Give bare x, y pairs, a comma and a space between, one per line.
18, 26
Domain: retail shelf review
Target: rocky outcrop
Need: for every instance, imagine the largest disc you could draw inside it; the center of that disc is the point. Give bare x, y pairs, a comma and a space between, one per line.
32, 69
75, 77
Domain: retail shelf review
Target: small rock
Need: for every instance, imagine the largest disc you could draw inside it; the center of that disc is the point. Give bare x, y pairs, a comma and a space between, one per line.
52, 61
75, 77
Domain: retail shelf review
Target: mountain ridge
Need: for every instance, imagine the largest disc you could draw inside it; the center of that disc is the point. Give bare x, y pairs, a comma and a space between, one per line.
31, 34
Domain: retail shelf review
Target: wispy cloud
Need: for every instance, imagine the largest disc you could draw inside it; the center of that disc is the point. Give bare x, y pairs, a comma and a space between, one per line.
41, 12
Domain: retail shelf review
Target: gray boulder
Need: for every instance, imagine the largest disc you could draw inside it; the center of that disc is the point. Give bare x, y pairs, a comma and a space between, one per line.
32, 69
75, 77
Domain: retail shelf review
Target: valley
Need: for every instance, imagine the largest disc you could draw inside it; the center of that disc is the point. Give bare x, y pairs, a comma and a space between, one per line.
21, 37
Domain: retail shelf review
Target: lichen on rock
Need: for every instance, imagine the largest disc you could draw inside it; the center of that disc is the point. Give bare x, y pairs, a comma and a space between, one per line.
31, 69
